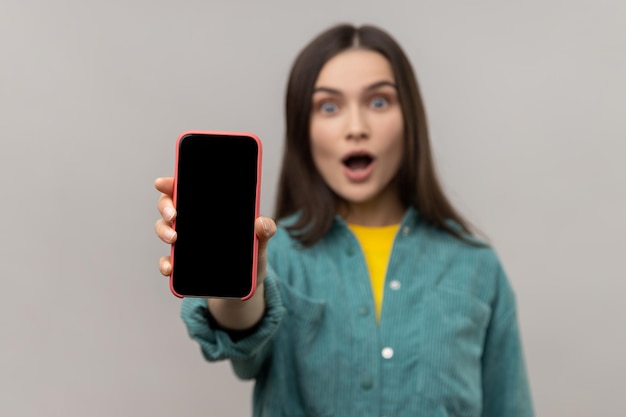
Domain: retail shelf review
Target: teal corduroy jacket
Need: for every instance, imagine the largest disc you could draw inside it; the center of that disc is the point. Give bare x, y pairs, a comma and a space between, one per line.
447, 343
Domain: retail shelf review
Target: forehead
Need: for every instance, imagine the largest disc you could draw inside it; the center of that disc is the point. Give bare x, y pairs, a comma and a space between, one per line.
355, 69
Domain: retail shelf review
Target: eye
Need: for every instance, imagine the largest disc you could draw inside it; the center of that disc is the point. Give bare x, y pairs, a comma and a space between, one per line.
328, 107
379, 103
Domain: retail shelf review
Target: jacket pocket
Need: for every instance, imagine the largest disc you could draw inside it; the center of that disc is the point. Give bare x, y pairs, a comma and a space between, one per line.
453, 326
307, 357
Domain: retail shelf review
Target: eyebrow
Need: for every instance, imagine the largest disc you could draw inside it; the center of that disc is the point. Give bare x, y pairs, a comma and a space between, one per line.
371, 87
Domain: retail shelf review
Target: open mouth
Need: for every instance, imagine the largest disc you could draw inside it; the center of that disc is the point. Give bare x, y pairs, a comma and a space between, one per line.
357, 162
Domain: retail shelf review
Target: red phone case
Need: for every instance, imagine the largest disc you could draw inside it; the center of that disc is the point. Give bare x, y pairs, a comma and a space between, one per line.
256, 209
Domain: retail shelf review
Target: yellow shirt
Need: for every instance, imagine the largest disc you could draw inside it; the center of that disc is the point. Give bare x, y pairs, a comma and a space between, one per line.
376, 243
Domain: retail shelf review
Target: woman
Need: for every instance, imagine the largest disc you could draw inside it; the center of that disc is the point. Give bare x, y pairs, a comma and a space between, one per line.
374, 298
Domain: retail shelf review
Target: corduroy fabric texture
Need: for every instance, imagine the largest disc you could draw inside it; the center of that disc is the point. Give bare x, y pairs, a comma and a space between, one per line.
447, 343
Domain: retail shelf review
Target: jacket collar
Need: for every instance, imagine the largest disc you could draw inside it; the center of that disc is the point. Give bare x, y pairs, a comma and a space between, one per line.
410, 218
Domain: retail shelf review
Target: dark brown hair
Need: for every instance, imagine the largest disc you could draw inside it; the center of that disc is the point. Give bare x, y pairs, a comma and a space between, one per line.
301, 188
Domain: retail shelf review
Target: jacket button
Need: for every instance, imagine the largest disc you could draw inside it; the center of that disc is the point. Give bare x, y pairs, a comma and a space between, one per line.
387, 352
367, 384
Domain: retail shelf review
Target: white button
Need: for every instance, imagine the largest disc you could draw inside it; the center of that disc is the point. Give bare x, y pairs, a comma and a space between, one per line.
395, 284
387, 353
405, 230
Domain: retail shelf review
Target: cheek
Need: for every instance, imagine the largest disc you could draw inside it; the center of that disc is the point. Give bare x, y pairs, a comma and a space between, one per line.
322, 139
395, 124
394, 157
393, 129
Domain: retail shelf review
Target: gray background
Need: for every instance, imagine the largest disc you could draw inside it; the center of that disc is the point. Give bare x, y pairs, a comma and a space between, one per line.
526, 107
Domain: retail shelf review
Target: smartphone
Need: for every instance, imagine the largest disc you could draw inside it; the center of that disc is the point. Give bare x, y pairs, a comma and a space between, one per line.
217, 182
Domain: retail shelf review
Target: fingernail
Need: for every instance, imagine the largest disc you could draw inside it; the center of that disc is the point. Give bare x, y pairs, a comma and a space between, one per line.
170, 234
266, 227
169, 213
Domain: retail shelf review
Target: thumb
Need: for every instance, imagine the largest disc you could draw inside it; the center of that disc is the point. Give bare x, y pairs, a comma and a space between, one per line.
264, 228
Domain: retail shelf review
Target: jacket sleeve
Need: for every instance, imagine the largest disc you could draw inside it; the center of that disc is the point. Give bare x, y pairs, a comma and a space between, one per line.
506, 390
248, 353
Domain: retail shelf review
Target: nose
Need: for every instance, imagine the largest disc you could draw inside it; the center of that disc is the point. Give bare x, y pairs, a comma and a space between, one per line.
357, 126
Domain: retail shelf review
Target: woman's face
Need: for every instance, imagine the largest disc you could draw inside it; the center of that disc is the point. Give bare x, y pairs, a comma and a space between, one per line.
357, 131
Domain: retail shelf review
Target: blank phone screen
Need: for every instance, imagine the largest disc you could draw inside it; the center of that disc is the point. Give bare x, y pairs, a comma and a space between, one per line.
216, 203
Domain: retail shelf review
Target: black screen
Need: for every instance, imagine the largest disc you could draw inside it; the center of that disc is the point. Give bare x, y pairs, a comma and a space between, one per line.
216, 189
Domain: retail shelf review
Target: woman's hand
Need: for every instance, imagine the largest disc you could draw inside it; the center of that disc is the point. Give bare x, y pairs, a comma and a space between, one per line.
163, 226
229, 313
263, 226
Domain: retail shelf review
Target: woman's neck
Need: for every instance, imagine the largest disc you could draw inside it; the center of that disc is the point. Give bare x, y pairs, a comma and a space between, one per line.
373, 213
